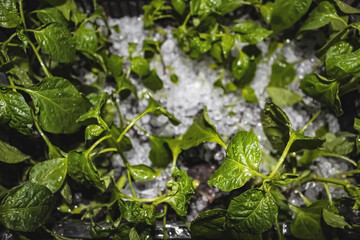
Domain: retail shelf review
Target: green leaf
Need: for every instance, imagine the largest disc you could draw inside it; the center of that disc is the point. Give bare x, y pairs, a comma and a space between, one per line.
320, 16
83, 170
125, 144
227, 43
287, 12
202, 130
15, 112
282, 73
50, 173
179, 6
152, 81
323, 90
357, 128
115, 64
227, 6
249, 94
335, 54
140, 66
9, 14
51, 15
26, 208
309, 156
266, 11
254, 211
209, 225
242, 160
141, 172
283, 97
133, 235
159, 155
56, 40
135, 212
180, 192
124, 87
307, 222
155, 108
239, 65
341, 144
86, 39
345, 8
334, 220
250, 32
10, 154
276, 125
58, 105
92, 131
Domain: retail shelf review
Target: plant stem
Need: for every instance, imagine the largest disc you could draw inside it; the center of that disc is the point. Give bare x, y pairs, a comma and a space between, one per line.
342, 157
108, 150
143, 199
330, 180
22, 13
309, 122
328, 193
87, 152
284, 154
165, 237
130, 184
119, 113
131, 124
46, 71
280, 235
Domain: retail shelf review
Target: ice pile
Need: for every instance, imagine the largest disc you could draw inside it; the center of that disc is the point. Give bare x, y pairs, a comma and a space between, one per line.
195, 89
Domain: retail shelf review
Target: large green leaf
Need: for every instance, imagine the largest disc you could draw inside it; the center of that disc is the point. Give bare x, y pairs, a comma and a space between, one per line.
209, 225
83, 170
9, 14
86, 39
250, 32
142, 172
334, 219
282, 96
50, 173
335, 54
136, 212
51, 15
15, 111
26, 208
325, 91
202, 130
320, 16
181, 191
58, 105
10, 154
254, 212
287, 12
242, 162
56, 40
307, 222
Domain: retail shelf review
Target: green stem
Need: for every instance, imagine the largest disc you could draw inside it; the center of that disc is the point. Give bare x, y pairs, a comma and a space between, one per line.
305, 199
130, 184
119, 113
87, 152
284, 154
5, 43
108, 150
46, 71
51, 147
131, 124
309, 122
328, 193
342, 157
330, 180
156, 199
185, 21
165, 237
280, 235
22, 13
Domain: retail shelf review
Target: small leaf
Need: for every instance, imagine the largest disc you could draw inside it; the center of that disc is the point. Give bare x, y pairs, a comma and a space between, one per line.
140, 66
142, 172
283, 97
320, 16
115, 64
155, 108
249, 32
334, 220
50, 15
10, 154
26, 207
152, 81
50, 173
9, 14
15, 111
282, 74
86, 39
124, 87
242, 160
133, 235
307, 222
56, 40
287, 12
58, 104
249, 94
159, 154
323, 90
135, 212
345, 8
239, 65
180, 192
333, 56
254, 212
83, 170
179, 6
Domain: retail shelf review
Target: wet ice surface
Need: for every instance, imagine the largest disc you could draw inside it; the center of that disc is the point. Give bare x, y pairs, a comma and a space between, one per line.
229, 112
